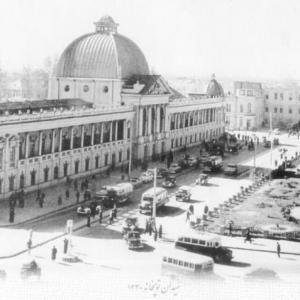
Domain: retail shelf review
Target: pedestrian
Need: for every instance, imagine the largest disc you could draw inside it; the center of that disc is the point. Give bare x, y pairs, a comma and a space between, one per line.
41, 202
248, 237
150, 228
93, 210
111, 217
115, 211
66, 244
29, 245
276, 163
53, 253
160, 231
100, 215
205, 209
67, 194
11, 215
147, 226
88, 220
38, 195
230, 228
278, 249
155, 235
22, 199
77, 196
187, 216
59, 200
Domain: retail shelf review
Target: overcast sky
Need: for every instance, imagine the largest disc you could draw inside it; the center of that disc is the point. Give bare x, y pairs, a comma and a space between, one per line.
232, 38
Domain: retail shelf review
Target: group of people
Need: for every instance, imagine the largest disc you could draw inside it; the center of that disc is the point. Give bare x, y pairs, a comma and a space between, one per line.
65, 249
150, 228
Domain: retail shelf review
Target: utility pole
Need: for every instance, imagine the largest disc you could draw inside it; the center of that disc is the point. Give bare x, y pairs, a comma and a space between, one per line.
154, 198
130, 158
271, 131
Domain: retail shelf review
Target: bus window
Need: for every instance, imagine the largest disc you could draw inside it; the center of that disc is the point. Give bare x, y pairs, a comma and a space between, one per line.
164, 258
169, 260
201, 242
217, 245
194, 241
175, 261
192, 266
180, 263
186, 264
180, 239
187, 240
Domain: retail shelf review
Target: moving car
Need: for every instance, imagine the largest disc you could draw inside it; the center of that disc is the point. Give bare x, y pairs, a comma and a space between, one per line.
169, 182
130, 223
133, 239
161, 173
175, 168
183, 193
159, 194
136, 182
206, 244
85, 210
202, 179
31, 269
231, 170
146, 177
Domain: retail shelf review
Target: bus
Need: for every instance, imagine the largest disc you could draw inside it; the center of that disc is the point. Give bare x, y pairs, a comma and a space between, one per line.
186, 262
146, 205
206, 244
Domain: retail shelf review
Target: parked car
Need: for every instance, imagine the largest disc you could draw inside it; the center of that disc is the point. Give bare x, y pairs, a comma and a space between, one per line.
276, 131
183, 163
169, 182
175, 168
133, 239
192, 161
31, 269
146, 177
231, 170
161, 173
267, 144
136, 182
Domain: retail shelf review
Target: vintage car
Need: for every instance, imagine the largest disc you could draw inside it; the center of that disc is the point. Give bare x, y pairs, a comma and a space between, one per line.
267, 144
136, 182
130, 223
30, 269
83, 210
133, 239
231, 170
192, 161
169, 182
183, 193
175, 168
146, 177
202, 179
161, 173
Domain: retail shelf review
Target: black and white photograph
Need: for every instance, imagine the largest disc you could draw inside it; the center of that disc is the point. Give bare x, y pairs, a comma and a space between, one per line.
149, 149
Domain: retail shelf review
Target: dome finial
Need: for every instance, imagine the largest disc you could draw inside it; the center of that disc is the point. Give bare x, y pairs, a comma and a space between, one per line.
106, 24
213, 76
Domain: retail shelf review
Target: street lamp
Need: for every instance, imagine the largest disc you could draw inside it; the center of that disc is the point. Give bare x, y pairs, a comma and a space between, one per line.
154, 198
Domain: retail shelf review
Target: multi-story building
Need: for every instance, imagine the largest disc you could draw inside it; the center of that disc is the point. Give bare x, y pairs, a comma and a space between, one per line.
104, 108
284, 105
245, 107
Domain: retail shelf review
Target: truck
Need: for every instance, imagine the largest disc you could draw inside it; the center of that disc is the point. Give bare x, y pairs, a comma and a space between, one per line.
161, 196
213, 164
111, 194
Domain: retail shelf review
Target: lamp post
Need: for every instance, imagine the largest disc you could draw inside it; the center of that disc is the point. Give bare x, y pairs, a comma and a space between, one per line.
154, 198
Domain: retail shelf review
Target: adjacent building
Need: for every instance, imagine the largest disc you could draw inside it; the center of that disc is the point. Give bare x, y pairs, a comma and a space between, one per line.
105, 109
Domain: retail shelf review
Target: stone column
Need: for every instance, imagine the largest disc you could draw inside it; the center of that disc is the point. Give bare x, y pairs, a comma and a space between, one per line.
158, 119
82, 136
124, 130
92, 134
184, 116
110, 131
116, 130
40, 142
149, 119
71, 137
60, 140
27, 143
101, 133
53, 141
140, 124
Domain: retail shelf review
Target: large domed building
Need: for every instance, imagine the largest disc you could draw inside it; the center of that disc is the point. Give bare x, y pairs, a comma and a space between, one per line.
104, 110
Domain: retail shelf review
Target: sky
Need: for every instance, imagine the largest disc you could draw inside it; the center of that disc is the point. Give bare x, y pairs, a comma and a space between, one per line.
255, 39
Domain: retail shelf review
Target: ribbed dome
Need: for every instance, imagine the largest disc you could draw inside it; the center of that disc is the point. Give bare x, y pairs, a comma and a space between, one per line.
214, 88
103, 54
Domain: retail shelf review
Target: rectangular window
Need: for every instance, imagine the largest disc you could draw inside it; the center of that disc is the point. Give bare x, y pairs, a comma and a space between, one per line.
128, 133
187, 240
97, 162
242, 92
186, 264
106, 159
275, 96
275, 109
12, 156
281, 96
290, 111
266, 109
164, 258
249, 92
241, 108
194, 241
281, 110
290, 97
267, 97
120, 156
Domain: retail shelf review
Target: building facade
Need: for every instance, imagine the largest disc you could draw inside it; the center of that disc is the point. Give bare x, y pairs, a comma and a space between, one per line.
245, 107
104, 109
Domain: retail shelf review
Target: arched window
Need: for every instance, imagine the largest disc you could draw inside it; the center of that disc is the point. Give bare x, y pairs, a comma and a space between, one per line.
144, 122
32, 177
46, 174
11, 182
65, 169
55, 173
76, 166
172, 125
22, 180
249, 108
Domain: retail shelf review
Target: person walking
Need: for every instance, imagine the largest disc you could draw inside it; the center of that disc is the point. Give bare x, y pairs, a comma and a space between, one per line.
11, 214
150, 228
29, 245
88, 220
66, 244
147, 226
77, 196
155, 235
67, 194
115, 211
230, 228
248, 237
160, 231
75, 184
41, 202
59, 200
111, 217
278, 249
100, 215
38, 195
53, 253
